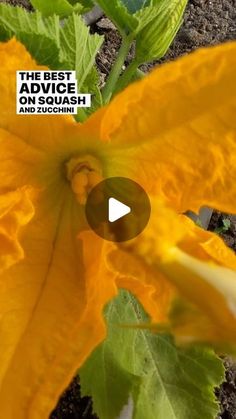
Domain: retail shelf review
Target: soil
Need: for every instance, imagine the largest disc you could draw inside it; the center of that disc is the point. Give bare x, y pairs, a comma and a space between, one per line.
217, 222
72, 405
205, 23
227, 392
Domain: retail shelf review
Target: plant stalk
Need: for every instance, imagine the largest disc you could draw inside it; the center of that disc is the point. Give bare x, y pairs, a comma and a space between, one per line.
127, 76
116, 70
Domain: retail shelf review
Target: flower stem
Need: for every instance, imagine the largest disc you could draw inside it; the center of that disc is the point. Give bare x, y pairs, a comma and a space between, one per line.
140, 74
116, 69
128, 74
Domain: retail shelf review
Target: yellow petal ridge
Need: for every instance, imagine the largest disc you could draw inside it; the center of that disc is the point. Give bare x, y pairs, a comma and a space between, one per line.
16, 211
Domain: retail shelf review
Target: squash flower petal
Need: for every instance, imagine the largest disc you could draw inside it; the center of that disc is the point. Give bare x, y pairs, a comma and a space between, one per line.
174, 134
183, 114
55, 283
200, 271
16, 211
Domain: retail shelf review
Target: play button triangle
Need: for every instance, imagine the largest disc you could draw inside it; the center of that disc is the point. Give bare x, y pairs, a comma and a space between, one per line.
117, 210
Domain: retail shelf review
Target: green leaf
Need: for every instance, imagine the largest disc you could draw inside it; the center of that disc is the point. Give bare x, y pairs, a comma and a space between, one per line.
91, 85
158, 28
40, 36
68, 47
78, 47
164, 382
61, 8
113, 383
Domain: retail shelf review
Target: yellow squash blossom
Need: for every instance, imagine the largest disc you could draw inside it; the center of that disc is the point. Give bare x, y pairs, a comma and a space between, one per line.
175, 134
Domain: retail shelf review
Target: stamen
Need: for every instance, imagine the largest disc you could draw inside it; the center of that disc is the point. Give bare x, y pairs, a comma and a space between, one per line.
84, 173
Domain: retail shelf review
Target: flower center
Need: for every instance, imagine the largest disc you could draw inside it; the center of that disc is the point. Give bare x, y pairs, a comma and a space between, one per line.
83, 172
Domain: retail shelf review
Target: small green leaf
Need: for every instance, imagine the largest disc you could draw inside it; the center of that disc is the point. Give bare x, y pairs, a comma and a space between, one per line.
163, 381
61, 8
157, 31
226, 223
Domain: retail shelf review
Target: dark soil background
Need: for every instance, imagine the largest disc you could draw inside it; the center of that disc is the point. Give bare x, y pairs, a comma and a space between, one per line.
72, 406
206, 22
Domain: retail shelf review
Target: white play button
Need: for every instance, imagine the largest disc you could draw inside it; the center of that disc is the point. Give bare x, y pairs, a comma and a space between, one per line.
117, 210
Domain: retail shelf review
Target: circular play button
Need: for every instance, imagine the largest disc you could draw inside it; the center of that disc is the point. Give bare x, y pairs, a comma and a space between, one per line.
117, 209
